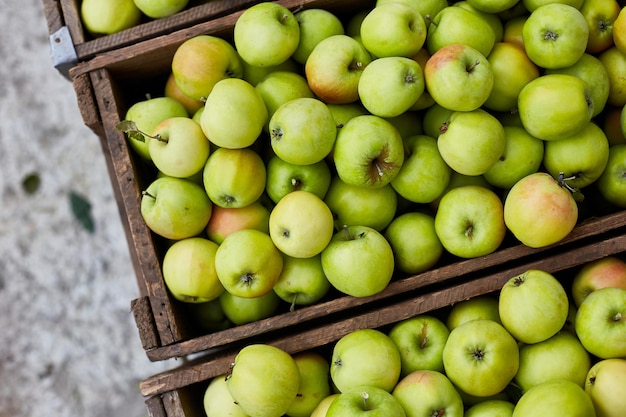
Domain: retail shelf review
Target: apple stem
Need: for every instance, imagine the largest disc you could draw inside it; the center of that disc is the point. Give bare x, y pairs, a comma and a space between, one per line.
430, 20
471, 67
147, 194
365, 397
292, 308
347, 232
562, 182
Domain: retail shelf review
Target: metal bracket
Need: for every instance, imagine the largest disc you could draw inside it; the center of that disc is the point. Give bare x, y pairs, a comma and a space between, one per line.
62, 51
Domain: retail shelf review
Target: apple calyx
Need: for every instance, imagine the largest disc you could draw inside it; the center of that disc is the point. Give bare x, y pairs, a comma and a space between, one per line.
366, 405
550, 36
478, 354
519, 280
276, 134
130, 128
378, 165
438, 413
617, 317
247, 278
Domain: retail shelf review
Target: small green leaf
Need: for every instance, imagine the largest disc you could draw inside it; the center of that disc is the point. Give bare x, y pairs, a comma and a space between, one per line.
130, 128
31, 183
81, 209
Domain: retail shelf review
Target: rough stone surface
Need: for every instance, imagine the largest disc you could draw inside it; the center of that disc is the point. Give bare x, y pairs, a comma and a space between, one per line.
68, 345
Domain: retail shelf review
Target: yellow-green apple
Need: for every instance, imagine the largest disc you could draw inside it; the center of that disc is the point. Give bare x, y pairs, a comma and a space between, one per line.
555, 35
301, 224
612, 182
364, 401
217, 400
459, 180
541, 109
606, 385
601, 323
513, 29
471, 141
264, 380
469, 221
615, 63
522, 156
561, 356
302, 131
420, 340
490, 408
342, 113
315, 24
314, 383
242, 310
353, 205
358, 261
171, 90
234, 177
533, 306
266, 34
427, 8
614, 124
619, 31
106, 17
189, 270
160, 8
539, 210
428, 393
201, 61
368, 151
279, 87
390, 86
324, 405
561, 398
365, 357
512, 70
459, 77
480, 357
248, 264
208, 317
254, 74
393, 29
425, 100
531, 5
435, 120
302, 281
175, 208
416, 246
284, 177
492, 6
147, 114
226, 220
494, 21
609, 271
334, 67
600, 15
479, 307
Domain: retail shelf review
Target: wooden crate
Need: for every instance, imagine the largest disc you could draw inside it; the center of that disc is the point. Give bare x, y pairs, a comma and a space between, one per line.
178, 392
121, 77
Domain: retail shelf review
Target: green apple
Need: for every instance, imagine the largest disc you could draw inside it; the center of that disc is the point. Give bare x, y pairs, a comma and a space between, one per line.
242, 310
365, 357
254, 74
171, 90
175, 208
302, 131
614, 61
539, 210
368, 151
248, 264
208, 317
493, 19
480, 357
365, 401
531, 5
314, 383
302, 281
427, 8
619, 31
492, 6
217, 400
279, 87
408, 123
226, 220
513, 30
266, 34
435, 120
416, 246
420, 340
106, 17
390, 86
561, 398
334, 67
609, 271
301, 224
353, 205
479, 307
393, 29
428, 393
284, 177
490, 408
264, 380
533, 306
201, 61
189, 270
606, 385
358, 261
315, 25
469, 221
234, 177
612, 182
324, 405
601, 323
156, 9
342, 113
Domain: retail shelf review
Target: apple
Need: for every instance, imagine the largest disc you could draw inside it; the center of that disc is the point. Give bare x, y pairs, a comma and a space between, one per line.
201, 61
420, 341
555, 35
480, 357
358, 261
314, 383
342, 113
539, 210
413, 238
208, 316
284, 177
609, 271
427, 8
266, 34
614, 61
619, 31
161, 8
302, 281
254, 74
301, 224
315, 25
226, 220
475, 308
490, 408
605, 384
533, 306
324, 405
428, 393
171, 90
365, 357
600, 16
242, 310
435, 120
175, 208
279, 87
459, 77
612, 122
106, 17
353, 205
248, 264
217, 400
601, 323
234, 177
264, 380
561, 398
492, 6
493, 19
364, 401
302, 131
513, 30
612, 182
531, 5
189, 270
368, 151
408, 123
393, 29
469, 221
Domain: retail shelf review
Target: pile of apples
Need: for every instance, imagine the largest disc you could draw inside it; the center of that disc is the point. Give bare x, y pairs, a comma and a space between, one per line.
533, 349
311, 153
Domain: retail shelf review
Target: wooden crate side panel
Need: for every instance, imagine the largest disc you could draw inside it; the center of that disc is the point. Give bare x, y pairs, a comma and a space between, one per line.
144, 319
87, 104
155, 406
71, 17
53, 14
